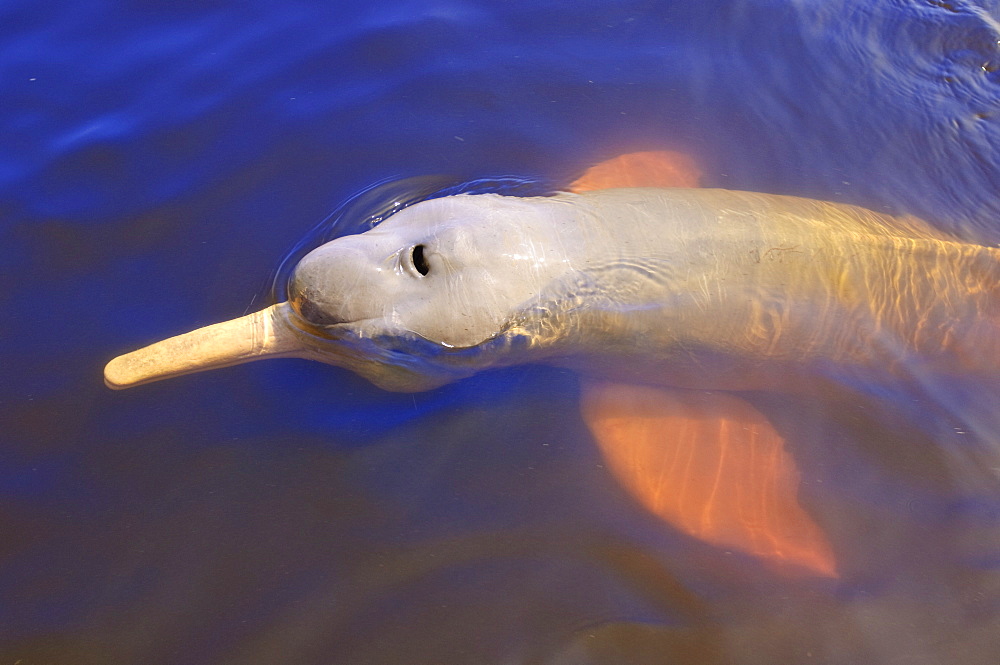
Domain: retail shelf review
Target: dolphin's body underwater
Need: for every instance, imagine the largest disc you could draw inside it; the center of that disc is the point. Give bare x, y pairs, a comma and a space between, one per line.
688, 288
649, 292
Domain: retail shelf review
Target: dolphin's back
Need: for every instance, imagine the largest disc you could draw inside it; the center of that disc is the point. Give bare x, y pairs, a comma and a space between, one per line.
701, 211
699, 282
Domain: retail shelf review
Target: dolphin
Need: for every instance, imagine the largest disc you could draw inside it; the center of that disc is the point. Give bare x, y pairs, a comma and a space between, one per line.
690, 288
644, 290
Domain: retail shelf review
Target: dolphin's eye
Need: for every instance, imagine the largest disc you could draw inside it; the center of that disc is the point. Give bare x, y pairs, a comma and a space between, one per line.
419, 261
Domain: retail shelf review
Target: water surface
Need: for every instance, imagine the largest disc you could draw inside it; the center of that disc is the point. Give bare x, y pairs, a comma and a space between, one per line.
159, 161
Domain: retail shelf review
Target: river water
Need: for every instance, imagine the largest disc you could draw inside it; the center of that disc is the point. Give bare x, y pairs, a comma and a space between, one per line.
159, 161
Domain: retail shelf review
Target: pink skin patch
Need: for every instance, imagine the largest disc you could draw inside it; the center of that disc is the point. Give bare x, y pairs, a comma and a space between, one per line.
658, 168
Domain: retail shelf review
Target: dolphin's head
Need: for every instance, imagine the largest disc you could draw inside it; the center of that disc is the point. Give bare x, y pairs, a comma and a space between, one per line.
450, 271
408, 304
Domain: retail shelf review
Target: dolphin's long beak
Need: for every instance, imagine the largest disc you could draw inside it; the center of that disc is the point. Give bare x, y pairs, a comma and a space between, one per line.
263, 334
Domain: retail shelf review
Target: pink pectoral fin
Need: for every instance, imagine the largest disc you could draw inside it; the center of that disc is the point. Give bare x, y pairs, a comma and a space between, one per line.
711, 466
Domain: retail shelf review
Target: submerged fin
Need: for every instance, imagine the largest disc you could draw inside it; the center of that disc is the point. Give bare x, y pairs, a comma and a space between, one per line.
710, 465
263, 334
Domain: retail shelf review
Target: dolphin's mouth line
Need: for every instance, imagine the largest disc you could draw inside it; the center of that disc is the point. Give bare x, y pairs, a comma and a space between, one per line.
311, 315
346, 331
306, 328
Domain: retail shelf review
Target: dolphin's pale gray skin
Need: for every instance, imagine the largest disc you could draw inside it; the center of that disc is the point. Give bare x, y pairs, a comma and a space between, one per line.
691, 288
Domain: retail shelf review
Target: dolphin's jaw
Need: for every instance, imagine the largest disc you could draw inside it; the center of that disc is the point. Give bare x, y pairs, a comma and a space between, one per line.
392, 358
263, 334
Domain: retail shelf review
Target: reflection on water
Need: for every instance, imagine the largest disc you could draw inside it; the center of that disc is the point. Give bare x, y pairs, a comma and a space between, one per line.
159, 163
